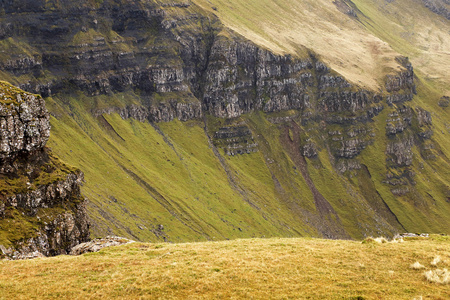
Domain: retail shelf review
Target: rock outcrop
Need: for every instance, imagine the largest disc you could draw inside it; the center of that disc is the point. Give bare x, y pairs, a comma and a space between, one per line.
440, 7
42, 212
235, 140
444, 101
24, 122
402, 137
98, 244
161, 112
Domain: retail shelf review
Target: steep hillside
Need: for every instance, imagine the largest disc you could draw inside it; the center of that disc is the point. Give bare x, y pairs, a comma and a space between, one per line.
198, 121
421, 34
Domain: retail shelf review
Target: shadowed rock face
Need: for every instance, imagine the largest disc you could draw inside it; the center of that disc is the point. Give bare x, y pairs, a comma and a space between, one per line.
106, 48
45, 192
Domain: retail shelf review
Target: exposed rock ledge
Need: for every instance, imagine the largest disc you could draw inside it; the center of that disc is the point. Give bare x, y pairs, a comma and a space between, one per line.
42, 212
98, 244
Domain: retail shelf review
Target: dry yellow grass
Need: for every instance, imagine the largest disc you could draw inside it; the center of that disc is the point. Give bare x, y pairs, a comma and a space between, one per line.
240, 269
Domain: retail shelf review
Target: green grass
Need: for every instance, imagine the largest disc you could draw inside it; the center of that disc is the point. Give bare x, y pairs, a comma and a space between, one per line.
9, 93
139, 176
253, 268
15, 227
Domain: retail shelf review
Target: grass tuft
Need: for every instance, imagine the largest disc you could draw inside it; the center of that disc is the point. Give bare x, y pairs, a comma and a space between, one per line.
381, 240
438, 276
417, 266
400, 240
436, 260
378, 240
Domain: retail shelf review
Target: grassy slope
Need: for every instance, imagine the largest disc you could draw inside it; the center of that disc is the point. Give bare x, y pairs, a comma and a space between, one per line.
139, 176
422, 36
413, 31
356, 216
135, 176
256, 268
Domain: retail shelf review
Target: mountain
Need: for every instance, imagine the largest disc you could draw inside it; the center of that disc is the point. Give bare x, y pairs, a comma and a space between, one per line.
210, 120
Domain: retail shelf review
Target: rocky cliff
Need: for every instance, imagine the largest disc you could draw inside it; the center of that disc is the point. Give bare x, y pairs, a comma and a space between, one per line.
176, 57
41, 209
278, 127
167, 55
440, 7
107, 48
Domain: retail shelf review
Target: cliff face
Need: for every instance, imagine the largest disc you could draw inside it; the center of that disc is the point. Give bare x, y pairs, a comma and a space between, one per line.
159, 52
279, 127
41, 209
176, 58
440, 7
25, 124
242, 78
106, 48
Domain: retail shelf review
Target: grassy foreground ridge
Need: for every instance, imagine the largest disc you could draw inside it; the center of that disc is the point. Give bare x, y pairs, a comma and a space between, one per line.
300, 268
